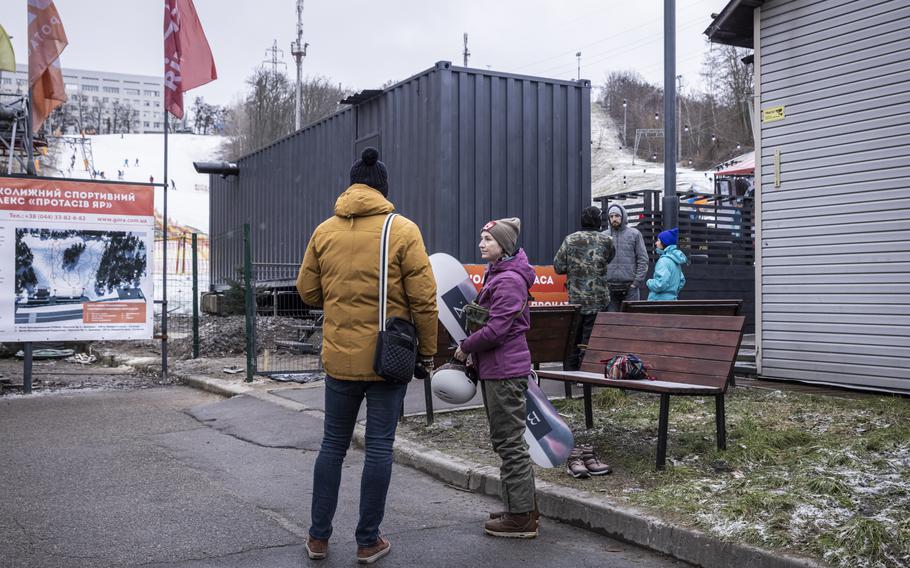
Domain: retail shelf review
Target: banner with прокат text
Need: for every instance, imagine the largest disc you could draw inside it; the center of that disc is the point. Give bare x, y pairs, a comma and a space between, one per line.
75, 260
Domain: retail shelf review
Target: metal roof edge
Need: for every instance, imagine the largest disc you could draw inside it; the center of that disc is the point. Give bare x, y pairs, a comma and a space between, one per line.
716, 32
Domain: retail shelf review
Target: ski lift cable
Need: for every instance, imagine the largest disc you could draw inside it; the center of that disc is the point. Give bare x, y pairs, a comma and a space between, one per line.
602, 39
601, 56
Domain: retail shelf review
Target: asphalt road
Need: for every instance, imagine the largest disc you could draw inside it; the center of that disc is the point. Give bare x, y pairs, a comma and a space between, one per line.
174, 477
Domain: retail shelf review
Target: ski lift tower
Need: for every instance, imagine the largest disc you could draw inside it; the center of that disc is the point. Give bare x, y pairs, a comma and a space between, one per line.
16, 144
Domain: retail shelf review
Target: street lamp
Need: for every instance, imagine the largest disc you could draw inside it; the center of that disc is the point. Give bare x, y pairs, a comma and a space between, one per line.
624, 122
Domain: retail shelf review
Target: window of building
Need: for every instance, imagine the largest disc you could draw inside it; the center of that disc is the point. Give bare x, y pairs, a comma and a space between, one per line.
111, 90
105, 100
7, 81
145, 103
90, 88
157, 104
134, 92
146, 124
152, 93
157, 125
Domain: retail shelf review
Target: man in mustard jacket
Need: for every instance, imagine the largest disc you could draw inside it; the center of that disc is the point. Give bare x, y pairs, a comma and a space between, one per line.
340, 272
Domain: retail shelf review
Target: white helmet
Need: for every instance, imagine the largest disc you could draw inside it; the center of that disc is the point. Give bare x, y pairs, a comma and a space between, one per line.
451, 383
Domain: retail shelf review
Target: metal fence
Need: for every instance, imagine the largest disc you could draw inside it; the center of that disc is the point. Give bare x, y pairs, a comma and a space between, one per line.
716, 233
287, 333
187, 276
283, 335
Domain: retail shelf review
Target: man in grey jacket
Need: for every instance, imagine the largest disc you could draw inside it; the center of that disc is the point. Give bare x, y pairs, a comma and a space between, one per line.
627, 271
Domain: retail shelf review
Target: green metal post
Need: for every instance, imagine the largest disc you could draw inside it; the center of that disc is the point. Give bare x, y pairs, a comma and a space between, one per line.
195, 298
248, 289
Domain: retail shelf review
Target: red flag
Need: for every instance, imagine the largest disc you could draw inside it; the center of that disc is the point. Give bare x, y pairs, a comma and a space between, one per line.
188, 61
46, 41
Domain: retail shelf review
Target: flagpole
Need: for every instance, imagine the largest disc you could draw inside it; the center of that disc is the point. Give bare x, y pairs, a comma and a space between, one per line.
164, 263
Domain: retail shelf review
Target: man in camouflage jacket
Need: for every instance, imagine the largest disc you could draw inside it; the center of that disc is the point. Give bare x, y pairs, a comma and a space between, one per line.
583, 258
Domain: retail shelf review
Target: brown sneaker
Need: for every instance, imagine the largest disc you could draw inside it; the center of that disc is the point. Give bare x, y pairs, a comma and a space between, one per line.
592, 464
372, 553
316, 549
575, 466
512, 525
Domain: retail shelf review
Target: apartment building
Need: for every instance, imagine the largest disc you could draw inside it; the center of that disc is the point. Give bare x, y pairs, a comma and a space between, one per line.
103, 94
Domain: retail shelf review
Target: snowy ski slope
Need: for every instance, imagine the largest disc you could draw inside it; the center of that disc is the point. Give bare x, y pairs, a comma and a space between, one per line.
186, 205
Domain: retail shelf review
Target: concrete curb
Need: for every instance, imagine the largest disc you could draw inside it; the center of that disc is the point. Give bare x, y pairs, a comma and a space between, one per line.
216, 386
564, 504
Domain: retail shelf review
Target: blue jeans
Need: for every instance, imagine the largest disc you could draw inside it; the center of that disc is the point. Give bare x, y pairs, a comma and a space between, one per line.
342, 403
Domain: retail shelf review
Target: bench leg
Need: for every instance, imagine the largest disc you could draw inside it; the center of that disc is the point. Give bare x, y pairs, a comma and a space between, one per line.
720, 417
589, 408
568, 387
428, 400
662, 430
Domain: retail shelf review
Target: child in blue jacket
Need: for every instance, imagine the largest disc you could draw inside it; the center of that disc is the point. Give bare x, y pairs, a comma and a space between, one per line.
668, 275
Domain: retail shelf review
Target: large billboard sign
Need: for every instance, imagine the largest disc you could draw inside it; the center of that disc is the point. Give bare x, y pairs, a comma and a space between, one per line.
75, 260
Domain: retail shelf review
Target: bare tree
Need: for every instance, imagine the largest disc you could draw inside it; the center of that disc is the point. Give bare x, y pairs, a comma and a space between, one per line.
715, 124
267, 111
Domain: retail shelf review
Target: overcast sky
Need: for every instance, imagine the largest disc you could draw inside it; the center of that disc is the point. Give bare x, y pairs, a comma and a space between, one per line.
363, 44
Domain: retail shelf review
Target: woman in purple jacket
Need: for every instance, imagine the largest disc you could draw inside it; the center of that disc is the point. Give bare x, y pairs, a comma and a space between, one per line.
499, 350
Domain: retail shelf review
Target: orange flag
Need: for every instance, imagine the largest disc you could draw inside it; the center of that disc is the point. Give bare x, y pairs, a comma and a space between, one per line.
188, 61
46, 41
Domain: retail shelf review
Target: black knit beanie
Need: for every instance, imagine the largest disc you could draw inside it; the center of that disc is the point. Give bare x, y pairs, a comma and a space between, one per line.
368, 170
591, 218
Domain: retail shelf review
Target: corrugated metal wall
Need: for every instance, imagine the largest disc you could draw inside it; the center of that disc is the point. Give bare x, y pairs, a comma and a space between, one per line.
462, 146
835, 269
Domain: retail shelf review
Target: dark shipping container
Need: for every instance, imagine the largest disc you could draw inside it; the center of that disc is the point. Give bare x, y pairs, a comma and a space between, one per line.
462, 146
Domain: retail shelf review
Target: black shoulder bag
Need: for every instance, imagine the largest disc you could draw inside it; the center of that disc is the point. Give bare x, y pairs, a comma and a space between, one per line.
396, 344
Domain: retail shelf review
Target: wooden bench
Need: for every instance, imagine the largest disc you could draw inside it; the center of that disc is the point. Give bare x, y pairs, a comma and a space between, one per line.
688, 355
550, 339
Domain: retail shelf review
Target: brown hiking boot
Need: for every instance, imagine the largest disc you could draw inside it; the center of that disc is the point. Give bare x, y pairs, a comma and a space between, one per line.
592, 464
372, 553
535, 513
316, 549
575, 465
512, 525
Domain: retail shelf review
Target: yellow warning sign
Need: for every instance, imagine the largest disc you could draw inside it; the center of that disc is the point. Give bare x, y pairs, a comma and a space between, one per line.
772, 114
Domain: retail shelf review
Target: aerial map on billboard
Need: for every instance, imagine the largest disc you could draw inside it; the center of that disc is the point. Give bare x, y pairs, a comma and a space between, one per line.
75, 260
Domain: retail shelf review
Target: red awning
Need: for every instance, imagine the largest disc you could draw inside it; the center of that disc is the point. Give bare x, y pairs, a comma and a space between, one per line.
739, 166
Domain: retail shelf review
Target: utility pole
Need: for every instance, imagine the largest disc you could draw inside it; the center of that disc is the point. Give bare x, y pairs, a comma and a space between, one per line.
679, 80
466, 52
273, 61
670, 201
298, 50
624, 105
578, 56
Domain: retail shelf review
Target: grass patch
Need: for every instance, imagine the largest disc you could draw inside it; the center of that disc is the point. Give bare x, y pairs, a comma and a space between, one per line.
821, 476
